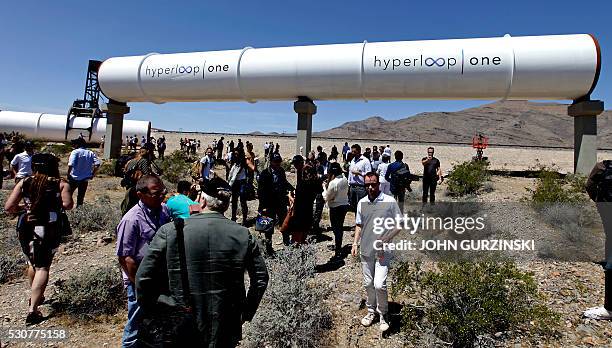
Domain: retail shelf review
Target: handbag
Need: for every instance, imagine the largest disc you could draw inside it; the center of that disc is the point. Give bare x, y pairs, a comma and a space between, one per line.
171, 325
264, 224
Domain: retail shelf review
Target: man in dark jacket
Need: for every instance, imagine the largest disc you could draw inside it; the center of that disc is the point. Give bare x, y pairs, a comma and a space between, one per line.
272, 191
599, 188
217, 252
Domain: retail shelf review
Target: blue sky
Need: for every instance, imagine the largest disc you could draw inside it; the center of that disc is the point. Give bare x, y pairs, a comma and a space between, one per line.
45, 46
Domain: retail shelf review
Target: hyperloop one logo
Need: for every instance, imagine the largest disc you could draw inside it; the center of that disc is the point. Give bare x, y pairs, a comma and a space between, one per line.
458, 62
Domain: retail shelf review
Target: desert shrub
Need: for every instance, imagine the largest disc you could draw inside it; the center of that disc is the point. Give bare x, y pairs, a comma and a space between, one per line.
293, 312
12, 261
552, 187
57, 149
467, 178
108, 167
101, 215
465, 303
176, 166
286, 165
91, 293
571, 219
11, 266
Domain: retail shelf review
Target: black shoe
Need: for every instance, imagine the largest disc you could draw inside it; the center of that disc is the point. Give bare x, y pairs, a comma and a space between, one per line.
34, 318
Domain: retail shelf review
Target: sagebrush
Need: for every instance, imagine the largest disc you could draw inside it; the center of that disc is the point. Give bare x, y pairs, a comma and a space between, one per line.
463, 303
176, 166
467, 178
91, 293
552, 187
100, 215
293, 312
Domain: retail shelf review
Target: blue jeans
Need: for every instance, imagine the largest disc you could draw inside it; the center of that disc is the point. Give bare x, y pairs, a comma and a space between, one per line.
130, 332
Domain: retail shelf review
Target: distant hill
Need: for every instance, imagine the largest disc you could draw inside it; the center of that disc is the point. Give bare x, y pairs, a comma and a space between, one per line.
509, 122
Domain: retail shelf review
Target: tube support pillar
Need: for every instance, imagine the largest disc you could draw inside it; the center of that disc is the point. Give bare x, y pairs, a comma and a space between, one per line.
585, 133
114, 128
305, 109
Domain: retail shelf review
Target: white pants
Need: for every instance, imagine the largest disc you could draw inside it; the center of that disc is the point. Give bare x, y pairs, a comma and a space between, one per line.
385, 187
375, 283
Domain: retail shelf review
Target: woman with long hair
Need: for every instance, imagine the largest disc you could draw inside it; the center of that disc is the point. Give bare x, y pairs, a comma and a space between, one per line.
45, 195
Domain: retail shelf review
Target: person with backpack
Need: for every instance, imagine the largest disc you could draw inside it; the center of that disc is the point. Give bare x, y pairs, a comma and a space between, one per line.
40, 224
398, 176
140, 165
432, 175
82, 167
599, 188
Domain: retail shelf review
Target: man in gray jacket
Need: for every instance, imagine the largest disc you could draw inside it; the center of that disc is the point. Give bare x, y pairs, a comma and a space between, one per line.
217, 251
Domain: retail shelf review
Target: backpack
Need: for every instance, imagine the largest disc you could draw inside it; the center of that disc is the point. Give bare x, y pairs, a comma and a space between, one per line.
49, 214
132, 173
604, 187
401, 178
196, 170
120, 165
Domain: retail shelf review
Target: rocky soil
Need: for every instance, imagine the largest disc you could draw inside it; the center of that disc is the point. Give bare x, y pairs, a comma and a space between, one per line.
569, 287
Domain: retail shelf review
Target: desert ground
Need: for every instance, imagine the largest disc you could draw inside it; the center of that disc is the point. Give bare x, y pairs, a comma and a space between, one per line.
569, 287
501, 158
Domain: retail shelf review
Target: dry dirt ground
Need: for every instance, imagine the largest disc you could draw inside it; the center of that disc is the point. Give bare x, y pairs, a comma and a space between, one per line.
501, 158
569, 288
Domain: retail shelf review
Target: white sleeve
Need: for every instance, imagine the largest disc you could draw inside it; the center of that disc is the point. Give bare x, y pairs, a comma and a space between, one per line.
367, 167
358, 214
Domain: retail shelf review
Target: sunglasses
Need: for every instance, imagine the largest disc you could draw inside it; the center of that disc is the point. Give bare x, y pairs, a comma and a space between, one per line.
159, 194
372, 184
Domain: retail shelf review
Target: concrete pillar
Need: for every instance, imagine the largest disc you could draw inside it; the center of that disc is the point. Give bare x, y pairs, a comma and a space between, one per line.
114, 128
305, 108
585, 133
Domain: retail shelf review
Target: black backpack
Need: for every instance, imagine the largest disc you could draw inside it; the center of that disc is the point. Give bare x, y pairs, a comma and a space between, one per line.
604, 187
120, 165
401, 178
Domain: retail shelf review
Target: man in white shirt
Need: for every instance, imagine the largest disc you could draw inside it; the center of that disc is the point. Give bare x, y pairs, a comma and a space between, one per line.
82, 167
206, 164
359, 166
375, 263
22, 163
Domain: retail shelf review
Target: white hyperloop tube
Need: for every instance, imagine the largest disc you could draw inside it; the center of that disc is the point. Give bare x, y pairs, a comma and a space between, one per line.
53, 127
529, 67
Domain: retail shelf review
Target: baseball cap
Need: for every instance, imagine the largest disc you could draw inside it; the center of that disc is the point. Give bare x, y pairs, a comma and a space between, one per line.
276, 157
213, 186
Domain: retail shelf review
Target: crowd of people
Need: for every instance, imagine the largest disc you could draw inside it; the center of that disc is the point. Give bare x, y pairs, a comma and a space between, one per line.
183, 255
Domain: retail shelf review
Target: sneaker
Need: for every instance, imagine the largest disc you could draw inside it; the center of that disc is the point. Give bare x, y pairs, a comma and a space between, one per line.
384, 326
368, 319
34, 318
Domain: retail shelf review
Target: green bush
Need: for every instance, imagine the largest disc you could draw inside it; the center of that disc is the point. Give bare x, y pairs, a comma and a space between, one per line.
91, 293
467, 178
107, 167
101, 215
293, 312
551, 187
463, 303
176, 166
